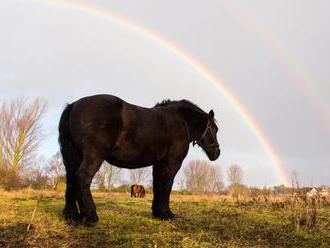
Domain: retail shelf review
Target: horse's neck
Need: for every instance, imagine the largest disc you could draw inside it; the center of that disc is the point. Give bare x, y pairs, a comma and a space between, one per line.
196, 122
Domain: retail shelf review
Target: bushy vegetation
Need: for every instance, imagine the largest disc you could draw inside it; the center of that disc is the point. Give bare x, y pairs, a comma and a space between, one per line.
202, 221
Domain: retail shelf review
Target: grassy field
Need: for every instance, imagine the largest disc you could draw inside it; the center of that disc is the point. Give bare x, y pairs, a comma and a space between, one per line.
202, 221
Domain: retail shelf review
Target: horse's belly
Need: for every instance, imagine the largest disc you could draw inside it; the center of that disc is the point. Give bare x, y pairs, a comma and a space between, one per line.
121, 163
130, 159
135, 151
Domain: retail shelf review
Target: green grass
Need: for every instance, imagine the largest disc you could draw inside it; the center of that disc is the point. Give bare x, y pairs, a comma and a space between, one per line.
201, 221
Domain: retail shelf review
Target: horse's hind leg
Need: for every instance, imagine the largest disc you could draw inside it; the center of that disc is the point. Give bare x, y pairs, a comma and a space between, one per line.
85, 174
70, 211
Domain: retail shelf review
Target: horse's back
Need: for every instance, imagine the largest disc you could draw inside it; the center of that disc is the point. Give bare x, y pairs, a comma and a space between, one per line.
96, 121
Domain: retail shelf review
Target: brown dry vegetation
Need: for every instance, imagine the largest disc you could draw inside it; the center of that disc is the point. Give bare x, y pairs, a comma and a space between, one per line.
202, 221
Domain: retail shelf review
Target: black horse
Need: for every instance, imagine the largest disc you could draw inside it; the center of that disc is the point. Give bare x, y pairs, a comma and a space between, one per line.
104, 127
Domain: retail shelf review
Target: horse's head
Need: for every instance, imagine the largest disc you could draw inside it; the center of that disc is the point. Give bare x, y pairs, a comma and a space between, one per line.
208, 141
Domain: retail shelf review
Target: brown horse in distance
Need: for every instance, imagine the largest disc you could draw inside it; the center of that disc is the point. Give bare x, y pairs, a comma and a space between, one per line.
137, 191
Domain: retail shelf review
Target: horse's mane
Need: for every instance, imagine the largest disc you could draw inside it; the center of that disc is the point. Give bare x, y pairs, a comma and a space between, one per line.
194, 116
182, 103
165, 102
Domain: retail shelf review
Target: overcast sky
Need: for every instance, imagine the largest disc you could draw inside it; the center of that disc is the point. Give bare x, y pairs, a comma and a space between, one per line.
273, 55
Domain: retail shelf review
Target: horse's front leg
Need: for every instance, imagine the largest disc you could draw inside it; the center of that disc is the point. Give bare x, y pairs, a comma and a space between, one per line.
163, 177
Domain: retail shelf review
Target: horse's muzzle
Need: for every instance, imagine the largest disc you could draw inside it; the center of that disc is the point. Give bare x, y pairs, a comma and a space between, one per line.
215, 154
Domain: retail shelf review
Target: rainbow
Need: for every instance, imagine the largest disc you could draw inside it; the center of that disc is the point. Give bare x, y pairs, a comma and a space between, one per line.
305, 83
190, 60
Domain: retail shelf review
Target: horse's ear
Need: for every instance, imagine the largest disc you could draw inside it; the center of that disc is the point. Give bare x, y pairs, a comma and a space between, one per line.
211, 115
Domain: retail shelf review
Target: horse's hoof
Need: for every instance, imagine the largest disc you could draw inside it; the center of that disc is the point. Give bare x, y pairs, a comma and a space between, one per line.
89, 221
72, 222
71, 218
164, 216
90, 224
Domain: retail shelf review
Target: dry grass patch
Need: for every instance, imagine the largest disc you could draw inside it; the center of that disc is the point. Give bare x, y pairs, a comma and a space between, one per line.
202, 221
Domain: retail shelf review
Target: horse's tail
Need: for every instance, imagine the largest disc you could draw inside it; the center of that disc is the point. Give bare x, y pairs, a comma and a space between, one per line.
70, 156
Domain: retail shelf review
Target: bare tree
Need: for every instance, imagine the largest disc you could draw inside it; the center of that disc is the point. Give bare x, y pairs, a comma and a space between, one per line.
196, 175
107, 176
20, 135
139, 176
202, 177
35, 175
181, 183
55, 170
215, 183
294, 180
235, 174
112, 176
99, 178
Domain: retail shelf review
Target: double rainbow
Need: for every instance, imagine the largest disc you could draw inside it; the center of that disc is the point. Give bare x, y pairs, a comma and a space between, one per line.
190, 60
301, 78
